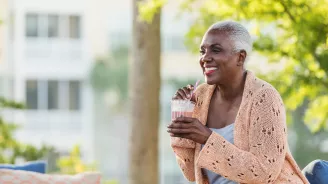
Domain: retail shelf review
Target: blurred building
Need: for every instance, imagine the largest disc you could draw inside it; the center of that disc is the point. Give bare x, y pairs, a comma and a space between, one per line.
176, 63
47, 50
49, 47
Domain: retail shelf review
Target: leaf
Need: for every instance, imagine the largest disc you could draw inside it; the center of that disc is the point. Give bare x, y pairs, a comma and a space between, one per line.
148, 9
5, 103
73, 163
316, 115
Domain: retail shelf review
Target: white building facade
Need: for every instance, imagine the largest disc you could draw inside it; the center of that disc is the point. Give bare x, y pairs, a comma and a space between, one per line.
46, 65
50, 48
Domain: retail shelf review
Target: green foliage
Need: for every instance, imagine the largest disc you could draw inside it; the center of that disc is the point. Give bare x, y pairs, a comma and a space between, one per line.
110, 182
5, 103
100, 76
111, 73
293, 33
148, 9
10, 148
317, 115
73, 164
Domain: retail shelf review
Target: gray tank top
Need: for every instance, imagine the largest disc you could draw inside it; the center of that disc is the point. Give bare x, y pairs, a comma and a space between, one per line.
227, 133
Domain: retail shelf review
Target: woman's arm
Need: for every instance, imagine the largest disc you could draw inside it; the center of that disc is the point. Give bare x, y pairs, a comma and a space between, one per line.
267, 141
184, 150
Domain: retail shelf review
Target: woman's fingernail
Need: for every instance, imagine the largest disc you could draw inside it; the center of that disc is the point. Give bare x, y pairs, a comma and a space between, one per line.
188, 96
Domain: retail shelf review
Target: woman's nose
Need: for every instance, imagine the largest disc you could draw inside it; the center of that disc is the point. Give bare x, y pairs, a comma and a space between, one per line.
207, 58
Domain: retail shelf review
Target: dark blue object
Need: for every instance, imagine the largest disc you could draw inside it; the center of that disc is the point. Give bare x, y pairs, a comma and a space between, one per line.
35, 166
317, 172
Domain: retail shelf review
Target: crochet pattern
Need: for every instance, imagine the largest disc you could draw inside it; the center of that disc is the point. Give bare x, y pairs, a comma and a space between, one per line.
260, 153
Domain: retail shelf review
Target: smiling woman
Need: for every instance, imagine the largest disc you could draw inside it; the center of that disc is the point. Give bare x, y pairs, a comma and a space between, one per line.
223, 51
238, 130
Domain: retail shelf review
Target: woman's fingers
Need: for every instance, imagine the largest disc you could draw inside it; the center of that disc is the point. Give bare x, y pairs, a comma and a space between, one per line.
179, 131
190, 87
187, 92
184, 119
186, 136
183, 93
178, 125
177, 96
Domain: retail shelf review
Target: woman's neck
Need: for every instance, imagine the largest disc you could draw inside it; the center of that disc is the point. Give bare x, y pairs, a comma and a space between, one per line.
233, 88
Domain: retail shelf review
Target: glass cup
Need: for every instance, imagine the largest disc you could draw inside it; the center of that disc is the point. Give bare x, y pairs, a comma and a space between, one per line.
181, 108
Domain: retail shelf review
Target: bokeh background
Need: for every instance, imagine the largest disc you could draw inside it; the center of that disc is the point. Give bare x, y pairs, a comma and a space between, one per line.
64, 72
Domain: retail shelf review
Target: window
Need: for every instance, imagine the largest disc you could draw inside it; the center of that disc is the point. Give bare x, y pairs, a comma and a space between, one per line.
32, 24
53, 26
74, 26
32, 94
74, 95
53, 96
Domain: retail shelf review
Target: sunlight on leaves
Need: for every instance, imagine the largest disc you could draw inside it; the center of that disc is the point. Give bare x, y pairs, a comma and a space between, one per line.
148, 9
73, 163
316, 115
291, 31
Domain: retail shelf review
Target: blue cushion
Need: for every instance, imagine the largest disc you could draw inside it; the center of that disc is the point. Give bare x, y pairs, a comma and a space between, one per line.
35, 166
317, 172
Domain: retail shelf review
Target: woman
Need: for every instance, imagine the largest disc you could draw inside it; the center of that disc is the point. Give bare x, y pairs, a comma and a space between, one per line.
238, 131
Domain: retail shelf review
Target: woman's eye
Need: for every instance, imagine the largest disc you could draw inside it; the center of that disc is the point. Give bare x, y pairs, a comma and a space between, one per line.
202, 52
216, 50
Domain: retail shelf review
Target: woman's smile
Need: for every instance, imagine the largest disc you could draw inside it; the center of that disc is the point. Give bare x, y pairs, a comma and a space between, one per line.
210, 70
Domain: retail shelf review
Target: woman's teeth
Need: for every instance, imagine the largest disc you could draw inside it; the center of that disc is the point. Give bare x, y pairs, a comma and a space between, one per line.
210, 69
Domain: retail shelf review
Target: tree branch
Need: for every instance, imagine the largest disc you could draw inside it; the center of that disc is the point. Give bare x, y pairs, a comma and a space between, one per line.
287, 11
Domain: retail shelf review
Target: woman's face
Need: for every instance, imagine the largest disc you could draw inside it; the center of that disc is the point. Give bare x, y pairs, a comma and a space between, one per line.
217, 59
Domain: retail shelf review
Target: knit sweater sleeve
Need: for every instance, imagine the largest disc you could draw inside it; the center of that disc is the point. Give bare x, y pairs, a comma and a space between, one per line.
185, 159
184, 149
267, 144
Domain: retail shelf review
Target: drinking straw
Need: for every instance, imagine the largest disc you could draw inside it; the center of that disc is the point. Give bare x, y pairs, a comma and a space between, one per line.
192, 93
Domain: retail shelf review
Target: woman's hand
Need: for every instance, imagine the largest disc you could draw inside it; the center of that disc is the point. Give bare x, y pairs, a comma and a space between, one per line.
189, 128
184, 93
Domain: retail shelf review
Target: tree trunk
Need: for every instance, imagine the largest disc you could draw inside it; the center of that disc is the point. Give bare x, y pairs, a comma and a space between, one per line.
144, 85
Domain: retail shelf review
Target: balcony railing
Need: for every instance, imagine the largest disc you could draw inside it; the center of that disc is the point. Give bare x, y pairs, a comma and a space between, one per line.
53, 49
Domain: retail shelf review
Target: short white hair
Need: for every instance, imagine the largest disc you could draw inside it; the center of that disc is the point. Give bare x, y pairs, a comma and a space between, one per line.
237, 33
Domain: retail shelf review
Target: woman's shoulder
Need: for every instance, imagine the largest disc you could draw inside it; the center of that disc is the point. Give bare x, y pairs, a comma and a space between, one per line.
263, 89
202, 90
202, 87
260, 86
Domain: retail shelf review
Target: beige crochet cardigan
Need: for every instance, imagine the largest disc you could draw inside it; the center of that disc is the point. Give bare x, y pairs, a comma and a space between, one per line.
260, 153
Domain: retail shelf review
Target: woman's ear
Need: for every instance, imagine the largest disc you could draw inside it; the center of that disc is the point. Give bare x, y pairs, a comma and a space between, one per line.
242, 58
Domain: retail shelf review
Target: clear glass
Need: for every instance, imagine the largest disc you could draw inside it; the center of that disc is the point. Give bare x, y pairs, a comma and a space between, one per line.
183, 108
